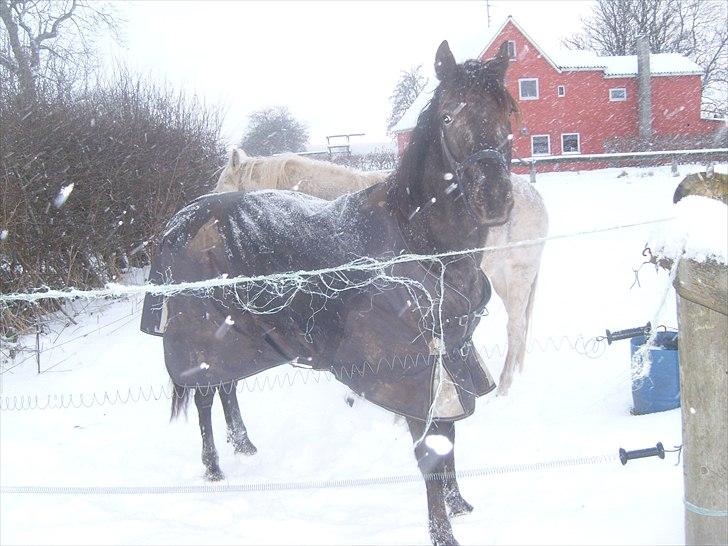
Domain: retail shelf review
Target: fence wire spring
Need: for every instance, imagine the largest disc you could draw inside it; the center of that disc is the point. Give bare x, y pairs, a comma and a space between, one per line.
84, 400
309, 484
593, 347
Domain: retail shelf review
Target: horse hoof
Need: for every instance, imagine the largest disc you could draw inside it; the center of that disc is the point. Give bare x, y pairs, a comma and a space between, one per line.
503, 389
245, 448
458, 507
214, 475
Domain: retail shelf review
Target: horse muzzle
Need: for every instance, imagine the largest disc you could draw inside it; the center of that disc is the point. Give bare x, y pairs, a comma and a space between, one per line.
495, 200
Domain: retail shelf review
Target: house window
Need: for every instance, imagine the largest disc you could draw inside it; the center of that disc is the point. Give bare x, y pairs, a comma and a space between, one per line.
617, 94
528, 88
561, 90
540, 145
570, 143
511, 49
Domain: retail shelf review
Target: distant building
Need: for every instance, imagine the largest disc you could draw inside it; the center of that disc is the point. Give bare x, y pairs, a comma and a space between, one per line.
576, 102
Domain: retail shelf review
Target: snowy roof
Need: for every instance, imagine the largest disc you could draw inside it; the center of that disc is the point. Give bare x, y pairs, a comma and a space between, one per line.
409, 118
661, 64
471, 47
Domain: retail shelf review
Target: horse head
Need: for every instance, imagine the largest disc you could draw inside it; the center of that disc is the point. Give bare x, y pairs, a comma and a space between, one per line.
231, 176
470, 127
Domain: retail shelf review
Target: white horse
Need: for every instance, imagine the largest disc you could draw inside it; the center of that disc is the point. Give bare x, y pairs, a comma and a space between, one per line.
513, 271
293, 172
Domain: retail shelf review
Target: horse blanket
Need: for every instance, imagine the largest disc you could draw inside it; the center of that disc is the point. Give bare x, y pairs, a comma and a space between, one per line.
373, 329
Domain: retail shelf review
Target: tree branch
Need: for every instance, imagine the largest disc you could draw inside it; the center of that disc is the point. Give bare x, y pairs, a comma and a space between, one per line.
53, 32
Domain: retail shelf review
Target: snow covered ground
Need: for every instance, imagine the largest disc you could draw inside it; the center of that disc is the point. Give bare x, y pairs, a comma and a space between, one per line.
565, 405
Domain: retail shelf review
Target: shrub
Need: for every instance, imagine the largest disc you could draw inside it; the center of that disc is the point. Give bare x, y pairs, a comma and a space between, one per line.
131, 153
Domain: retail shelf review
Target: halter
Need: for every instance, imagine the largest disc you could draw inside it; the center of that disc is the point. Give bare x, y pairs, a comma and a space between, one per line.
458, 167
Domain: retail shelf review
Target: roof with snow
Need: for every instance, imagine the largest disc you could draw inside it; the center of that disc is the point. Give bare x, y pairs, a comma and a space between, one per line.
661, 64
469, 47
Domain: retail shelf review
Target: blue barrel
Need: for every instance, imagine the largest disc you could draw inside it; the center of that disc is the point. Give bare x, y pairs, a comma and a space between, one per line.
660, 389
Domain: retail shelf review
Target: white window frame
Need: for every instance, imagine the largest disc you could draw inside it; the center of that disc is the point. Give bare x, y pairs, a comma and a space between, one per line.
578, 143
611, 96
512, 57
520, 94
548, 142
561, 90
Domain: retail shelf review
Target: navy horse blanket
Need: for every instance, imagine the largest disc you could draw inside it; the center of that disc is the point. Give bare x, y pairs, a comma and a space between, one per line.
376, 329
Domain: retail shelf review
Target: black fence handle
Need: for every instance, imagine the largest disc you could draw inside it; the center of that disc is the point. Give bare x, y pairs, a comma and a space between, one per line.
658, 451
629, 333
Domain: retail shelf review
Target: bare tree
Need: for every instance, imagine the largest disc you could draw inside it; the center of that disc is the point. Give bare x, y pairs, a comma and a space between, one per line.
410, 85
274, 130
47, 40
694, 28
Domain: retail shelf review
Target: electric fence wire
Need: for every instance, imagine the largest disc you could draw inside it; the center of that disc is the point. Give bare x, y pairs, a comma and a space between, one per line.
365, 264
256, 487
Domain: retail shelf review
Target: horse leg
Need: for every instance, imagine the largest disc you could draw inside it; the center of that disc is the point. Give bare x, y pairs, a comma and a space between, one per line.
432, 467
237, 434
456, 504
204, 397
514, 289
529, 314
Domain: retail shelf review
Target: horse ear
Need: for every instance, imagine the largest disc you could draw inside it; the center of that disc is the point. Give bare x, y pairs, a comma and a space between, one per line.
445, 65
234, 159
499, 64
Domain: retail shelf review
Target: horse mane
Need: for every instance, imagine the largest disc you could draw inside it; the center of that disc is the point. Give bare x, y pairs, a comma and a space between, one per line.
479, 74
412, 165
293, 172
270, 169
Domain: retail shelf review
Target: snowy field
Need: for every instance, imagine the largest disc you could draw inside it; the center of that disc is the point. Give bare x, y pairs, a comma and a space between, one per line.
566, 405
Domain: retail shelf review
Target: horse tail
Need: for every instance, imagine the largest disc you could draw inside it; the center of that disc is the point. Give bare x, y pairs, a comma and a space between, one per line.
180, 400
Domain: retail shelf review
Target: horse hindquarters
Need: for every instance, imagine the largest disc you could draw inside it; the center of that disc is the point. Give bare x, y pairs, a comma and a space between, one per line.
438, 470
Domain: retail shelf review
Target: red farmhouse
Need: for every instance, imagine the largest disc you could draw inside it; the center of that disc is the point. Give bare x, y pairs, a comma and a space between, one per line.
576, 102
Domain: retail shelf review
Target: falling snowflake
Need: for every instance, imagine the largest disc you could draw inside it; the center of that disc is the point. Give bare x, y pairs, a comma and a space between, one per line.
438, 443
63, 194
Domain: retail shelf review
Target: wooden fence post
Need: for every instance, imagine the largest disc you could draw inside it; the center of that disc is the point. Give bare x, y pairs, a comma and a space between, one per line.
37, 342
532, 171
702, 290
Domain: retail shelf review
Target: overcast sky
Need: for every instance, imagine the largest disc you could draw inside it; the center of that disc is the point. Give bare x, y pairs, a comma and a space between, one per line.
333, 63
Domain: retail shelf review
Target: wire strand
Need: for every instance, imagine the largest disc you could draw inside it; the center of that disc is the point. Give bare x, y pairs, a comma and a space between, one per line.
309, 484
361, 264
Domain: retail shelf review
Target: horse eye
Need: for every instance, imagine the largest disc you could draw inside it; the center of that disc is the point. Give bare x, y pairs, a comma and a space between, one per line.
447, 119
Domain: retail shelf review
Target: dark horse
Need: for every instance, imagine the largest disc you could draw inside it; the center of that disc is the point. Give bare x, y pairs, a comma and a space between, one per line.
398, 334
